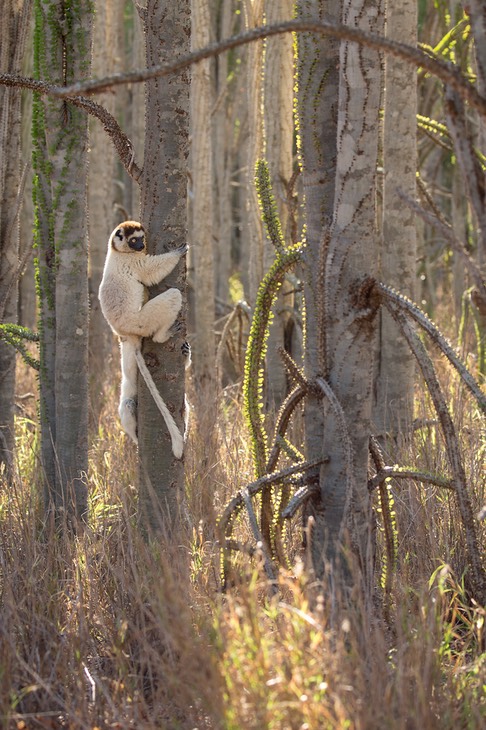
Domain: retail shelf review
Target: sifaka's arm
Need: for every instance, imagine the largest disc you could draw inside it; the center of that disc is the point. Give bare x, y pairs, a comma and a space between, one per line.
152, 269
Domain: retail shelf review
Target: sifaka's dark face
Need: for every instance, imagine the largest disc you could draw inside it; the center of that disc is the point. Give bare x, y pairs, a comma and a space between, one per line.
128, 237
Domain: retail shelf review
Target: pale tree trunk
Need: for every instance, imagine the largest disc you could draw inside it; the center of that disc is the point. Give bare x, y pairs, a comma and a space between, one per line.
318, 83
254, 18
223, 131
345, 337
27, 294
164, 199
393, 410
202, 202
130, 105
101, 189
279, 131
15, 22
63, 52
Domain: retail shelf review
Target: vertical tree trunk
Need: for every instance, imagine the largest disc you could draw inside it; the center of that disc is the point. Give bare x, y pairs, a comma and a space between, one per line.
340, 313
63, 54
202, 201
254, 18
318, 83
164, 198
101, 189
222, 158
393, 410
130, 104
352, 255
279, 134
15, 22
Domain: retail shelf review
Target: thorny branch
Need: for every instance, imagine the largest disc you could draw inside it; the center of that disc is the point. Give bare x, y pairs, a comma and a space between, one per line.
238, 501
120, 140
398, 302
388, 472
452, 445
377, 456
287, 408
447, 72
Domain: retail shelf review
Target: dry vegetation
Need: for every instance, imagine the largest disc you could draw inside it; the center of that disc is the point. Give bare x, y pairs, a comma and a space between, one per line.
104, 631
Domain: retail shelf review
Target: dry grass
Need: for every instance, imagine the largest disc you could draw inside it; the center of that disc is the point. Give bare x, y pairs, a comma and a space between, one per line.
102, 632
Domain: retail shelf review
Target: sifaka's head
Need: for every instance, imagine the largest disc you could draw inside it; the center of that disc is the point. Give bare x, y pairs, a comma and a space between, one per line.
128, 237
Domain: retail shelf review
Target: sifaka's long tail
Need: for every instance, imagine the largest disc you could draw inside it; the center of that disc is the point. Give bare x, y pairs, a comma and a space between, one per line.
175, 434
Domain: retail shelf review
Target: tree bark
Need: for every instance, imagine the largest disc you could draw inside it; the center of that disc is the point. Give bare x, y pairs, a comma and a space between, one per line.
223, 154
279, 137
202, 202
394, 389
62, 53
341, 332
254, 18
318, 85
15, 22
164, 198
101, 190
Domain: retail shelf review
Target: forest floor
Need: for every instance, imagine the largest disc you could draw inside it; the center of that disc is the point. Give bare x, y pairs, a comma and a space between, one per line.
108, 630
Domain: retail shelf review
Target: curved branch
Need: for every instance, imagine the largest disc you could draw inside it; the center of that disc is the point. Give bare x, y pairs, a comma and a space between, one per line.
388, 472
267, 561
452, 447
240, 306
119, 139
446, 72
395, 301
389, 525
287, 408
238, 500
300, 497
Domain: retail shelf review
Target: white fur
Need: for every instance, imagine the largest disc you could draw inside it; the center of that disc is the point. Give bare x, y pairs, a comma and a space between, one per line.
123, 302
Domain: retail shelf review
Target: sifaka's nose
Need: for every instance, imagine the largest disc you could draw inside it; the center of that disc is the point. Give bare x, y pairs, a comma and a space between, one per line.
137, 245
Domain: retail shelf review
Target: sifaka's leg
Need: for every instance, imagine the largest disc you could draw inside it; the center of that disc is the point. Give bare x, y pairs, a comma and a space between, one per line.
154, 319
162, 312
128, 396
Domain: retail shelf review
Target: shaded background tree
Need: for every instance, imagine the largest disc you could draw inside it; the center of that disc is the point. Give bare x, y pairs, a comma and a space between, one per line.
62, 53
15, 21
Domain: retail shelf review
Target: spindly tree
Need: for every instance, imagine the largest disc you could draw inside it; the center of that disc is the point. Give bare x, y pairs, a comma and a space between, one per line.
163, 182
62, 39
394, 390
15, 23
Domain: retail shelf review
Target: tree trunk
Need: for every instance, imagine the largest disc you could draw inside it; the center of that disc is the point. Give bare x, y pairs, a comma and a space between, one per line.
202, 202
318, 83
15, 23
341, 334
101, 190
279, 137
223, 134
393, 411
254, 18
62, 54
164, 199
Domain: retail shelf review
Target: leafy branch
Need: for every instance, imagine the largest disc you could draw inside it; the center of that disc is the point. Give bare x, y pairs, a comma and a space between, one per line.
16, 336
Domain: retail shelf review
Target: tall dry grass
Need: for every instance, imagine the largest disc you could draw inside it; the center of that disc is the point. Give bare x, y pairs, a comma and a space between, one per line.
108, 630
